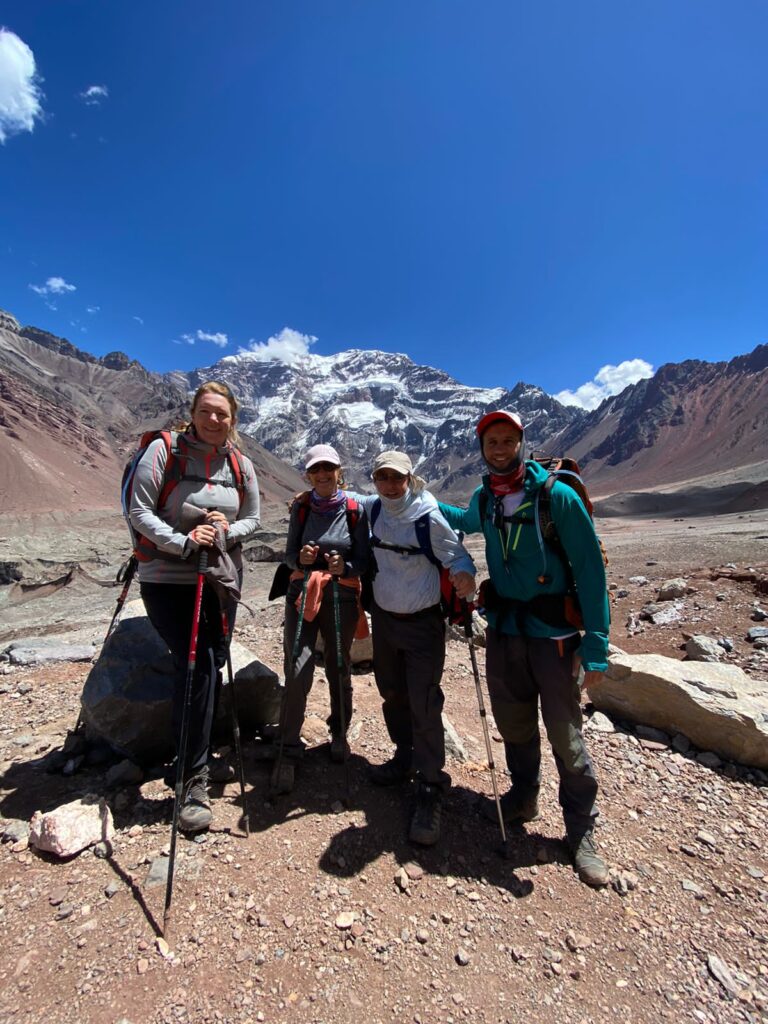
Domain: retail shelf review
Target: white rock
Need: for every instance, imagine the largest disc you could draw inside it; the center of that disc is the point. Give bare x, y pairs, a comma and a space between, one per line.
718, 707
73, 827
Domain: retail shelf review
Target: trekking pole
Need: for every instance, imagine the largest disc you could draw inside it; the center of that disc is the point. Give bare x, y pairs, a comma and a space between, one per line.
235, 723
292, 674
125, 575
202, 565
339, 673
467, 615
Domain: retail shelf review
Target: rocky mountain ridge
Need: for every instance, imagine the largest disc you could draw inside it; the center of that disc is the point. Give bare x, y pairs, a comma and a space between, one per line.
696, 431
70, 420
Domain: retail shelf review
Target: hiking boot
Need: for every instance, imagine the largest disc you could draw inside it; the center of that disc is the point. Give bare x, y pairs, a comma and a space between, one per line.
220, 770
515, 807
339, 749
392, 773
195, 814
590, 866
283, 778
425, 822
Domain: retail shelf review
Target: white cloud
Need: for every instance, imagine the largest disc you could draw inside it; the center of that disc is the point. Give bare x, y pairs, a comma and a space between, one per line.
218, 338
609, 380
92, 309
20, 93
94, 95
289, 346
53, 286
138, 320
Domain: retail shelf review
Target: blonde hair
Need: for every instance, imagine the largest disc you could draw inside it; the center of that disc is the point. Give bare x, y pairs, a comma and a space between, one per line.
216, 387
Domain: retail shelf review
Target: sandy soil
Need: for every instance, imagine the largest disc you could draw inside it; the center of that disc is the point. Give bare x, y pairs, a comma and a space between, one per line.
475, 936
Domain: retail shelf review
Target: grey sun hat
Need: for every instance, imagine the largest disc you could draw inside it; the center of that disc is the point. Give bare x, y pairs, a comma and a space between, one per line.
321, 453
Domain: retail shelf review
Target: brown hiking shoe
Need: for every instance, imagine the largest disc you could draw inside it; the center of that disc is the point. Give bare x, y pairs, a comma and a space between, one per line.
425, 823
515, 807
195, 814
590, 866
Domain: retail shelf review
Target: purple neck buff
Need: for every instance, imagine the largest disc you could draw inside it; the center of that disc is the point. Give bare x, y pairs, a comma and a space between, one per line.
327, 506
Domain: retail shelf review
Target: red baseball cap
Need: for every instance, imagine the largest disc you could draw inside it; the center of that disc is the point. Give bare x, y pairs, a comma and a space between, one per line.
499, 417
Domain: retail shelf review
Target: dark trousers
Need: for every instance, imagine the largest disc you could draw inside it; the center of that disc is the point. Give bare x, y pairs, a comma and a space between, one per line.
170, 608
298, 677
523, 671
408, 658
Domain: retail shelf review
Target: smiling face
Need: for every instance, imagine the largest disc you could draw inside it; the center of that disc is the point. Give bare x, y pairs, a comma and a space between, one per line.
212, 418
501, 445
391, 484
325, 478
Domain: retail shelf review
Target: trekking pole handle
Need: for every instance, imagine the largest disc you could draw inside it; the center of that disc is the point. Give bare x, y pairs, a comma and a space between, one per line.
467, 616
202, 560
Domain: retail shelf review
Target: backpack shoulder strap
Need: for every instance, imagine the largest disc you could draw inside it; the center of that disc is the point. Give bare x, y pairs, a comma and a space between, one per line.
482, 504
375, 509
175, 461
236, 464
425, 541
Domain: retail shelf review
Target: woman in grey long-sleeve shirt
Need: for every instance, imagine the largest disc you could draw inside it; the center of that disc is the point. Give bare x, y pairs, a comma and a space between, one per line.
327, 548
169, 574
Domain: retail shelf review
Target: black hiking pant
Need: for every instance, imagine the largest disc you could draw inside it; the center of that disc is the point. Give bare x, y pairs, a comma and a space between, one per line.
170, 607
408, 659
523, 672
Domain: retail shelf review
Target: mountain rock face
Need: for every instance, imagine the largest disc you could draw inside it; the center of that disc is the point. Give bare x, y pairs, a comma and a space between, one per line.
691, 421
363, 402
68, 422
694, 434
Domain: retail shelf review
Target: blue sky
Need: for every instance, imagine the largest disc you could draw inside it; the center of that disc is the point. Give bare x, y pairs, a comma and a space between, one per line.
509, 191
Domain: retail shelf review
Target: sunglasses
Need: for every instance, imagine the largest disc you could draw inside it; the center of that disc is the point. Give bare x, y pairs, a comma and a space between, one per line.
322, 467
393, 477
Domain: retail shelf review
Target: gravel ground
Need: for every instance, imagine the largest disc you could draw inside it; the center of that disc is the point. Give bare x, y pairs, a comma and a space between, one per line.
327, 913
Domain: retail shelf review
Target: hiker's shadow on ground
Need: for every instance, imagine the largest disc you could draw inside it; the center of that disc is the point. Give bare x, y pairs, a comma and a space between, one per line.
470, 846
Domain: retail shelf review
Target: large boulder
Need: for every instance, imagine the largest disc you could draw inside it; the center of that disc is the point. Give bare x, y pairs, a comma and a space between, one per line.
126, 698
718, 707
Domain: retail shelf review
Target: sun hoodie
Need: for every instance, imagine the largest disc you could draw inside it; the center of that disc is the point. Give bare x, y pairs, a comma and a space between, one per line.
518, 557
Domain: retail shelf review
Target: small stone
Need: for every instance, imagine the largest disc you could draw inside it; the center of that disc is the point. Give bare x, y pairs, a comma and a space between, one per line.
552, 956
345, 920
65, 910
111, 890
599, 722
402, 881
422, 936
142, 965
709, 759
691, 887
162, 946
681, 743
671, 590
357, 930
462, 957
707, 838
289, 920
57, 896
413, 870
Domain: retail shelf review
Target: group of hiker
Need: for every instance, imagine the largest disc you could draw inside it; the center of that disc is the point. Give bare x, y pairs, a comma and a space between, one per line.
546, 606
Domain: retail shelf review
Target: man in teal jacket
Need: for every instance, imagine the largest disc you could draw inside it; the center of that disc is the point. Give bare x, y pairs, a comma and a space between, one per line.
534, 644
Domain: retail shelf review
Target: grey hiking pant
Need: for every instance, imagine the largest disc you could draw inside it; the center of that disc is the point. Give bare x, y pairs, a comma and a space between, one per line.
523, 671
408, 658
299, 683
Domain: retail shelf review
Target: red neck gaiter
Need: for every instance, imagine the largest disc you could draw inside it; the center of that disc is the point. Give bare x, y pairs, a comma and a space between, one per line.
507, 483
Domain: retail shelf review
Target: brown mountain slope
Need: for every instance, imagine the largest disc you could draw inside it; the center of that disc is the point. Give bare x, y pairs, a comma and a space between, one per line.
699, 421
68, 424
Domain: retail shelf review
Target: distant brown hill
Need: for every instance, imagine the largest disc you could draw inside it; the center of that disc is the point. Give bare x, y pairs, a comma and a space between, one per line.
692, 421
69, 422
